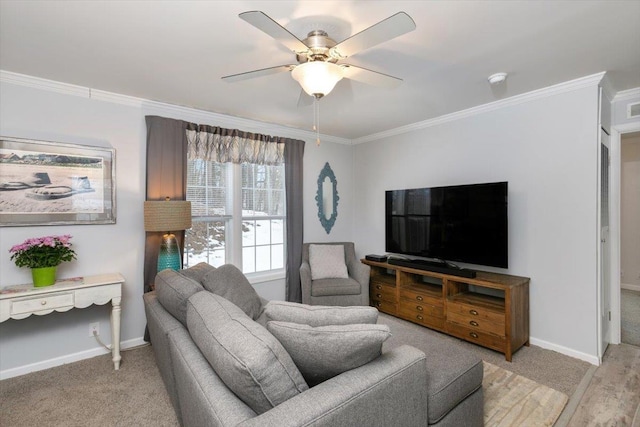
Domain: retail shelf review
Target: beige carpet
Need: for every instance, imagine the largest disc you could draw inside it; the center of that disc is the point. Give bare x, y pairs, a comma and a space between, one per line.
513, 400
91, 393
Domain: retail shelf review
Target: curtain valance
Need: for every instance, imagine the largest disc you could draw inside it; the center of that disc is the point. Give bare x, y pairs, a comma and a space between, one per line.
222, 145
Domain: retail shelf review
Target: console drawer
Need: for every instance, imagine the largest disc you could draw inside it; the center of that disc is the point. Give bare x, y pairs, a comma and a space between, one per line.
475, 312
383, 292
411, 308
385, 306
477, 337
433, 322
45, 302
420, 297
477, 324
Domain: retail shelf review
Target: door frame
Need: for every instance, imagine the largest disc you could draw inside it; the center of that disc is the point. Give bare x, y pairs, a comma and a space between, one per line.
614, 223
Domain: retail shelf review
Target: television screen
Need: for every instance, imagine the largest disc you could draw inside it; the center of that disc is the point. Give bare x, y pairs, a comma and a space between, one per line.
464, 223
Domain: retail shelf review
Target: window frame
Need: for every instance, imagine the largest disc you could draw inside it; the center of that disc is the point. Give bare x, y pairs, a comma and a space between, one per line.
233, 223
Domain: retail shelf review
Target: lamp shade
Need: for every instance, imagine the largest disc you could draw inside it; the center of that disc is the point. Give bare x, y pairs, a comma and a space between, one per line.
318, 78
167, 215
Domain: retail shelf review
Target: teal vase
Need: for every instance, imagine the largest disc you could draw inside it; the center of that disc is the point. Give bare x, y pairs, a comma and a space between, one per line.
44, 276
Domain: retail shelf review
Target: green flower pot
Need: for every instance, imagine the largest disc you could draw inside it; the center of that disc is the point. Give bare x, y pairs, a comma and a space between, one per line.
44, 276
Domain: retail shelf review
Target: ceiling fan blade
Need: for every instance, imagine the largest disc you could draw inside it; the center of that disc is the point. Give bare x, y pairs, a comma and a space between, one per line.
257, 73
370, 77
390, 28
264, 23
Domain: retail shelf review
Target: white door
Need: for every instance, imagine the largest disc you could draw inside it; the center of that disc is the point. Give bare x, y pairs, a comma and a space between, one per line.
604, 249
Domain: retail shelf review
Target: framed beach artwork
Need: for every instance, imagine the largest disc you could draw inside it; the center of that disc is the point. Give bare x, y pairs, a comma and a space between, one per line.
49, 183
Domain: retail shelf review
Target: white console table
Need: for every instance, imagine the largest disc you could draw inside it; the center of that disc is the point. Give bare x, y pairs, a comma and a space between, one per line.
21, 301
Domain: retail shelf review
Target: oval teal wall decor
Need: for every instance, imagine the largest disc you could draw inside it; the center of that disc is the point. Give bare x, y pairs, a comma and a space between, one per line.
327, 199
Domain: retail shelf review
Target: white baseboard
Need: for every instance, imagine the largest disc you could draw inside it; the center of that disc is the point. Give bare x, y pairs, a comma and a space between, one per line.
630, 287
69, 358
594, 360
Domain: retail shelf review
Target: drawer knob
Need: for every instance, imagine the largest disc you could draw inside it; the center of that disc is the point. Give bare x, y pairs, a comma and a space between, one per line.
419, 308
473, 323
43, 302
419, 317
473, 334
419, 298
378, 287
378, 303
378, 296
475, 313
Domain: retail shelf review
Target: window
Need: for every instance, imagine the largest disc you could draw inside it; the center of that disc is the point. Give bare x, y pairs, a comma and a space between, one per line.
238, 215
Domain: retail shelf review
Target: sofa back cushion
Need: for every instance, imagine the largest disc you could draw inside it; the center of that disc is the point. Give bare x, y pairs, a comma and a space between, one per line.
319, 315
198, 271
326, 351
250, 361
173, 290
231, 284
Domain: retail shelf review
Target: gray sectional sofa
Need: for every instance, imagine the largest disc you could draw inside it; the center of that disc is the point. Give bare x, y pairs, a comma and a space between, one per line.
215, 345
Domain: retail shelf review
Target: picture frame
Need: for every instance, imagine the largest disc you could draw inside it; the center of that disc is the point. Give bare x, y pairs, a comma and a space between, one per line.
51, 183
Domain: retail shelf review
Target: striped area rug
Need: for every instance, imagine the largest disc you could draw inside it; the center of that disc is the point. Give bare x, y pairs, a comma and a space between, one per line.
513, 400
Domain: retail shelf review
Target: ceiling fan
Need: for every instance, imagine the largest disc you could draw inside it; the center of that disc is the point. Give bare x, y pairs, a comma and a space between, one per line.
318, 69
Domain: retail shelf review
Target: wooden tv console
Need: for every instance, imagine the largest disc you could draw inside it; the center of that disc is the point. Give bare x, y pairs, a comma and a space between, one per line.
491, 310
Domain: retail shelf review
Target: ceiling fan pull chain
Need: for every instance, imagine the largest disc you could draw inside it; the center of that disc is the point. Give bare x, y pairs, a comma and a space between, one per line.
316, 119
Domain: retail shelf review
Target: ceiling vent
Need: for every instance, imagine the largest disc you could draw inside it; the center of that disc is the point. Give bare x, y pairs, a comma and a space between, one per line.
633, 110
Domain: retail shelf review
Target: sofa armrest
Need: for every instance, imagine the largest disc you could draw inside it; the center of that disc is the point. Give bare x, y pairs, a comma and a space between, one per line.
391, 390
305, 282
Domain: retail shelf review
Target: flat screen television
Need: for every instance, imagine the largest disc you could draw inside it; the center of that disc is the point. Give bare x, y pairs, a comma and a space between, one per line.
463, 223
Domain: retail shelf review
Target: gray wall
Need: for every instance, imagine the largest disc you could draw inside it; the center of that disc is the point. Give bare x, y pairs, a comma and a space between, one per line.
62, 113
546, 149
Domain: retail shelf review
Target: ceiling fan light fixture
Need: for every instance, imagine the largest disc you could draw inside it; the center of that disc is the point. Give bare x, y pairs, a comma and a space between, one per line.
318, 78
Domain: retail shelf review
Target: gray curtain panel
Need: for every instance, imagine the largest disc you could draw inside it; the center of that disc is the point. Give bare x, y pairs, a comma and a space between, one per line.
166, 177
293, 173
170, 142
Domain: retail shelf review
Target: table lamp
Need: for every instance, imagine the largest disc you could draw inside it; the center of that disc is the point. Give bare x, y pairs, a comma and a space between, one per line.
167, 216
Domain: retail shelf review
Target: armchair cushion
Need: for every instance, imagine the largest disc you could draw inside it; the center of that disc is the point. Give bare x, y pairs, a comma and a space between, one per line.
326, 351
248, 359
319, 315
229, 282
327, 287
327, 262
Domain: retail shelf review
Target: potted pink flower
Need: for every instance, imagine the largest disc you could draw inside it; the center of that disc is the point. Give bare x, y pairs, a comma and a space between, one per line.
43, 255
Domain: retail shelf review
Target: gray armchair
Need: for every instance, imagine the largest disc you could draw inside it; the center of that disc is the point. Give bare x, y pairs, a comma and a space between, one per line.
351, 291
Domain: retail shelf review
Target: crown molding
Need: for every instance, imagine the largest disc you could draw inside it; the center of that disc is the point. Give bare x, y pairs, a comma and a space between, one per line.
607, 88
161, 108
44, 84
582, 82
628, 94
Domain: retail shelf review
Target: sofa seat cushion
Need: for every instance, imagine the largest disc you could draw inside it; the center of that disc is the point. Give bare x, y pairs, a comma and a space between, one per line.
174, 290
454, 374
326, 287
325, 351
248, 359
231, 284
319, 315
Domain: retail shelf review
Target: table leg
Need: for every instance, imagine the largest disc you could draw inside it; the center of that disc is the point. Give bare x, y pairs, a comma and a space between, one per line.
115, 333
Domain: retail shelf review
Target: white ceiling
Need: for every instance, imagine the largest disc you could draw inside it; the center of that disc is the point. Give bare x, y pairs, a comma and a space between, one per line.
176, 52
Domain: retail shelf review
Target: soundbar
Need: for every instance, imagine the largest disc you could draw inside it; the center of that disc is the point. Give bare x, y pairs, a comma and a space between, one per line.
378, 258
438, 267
